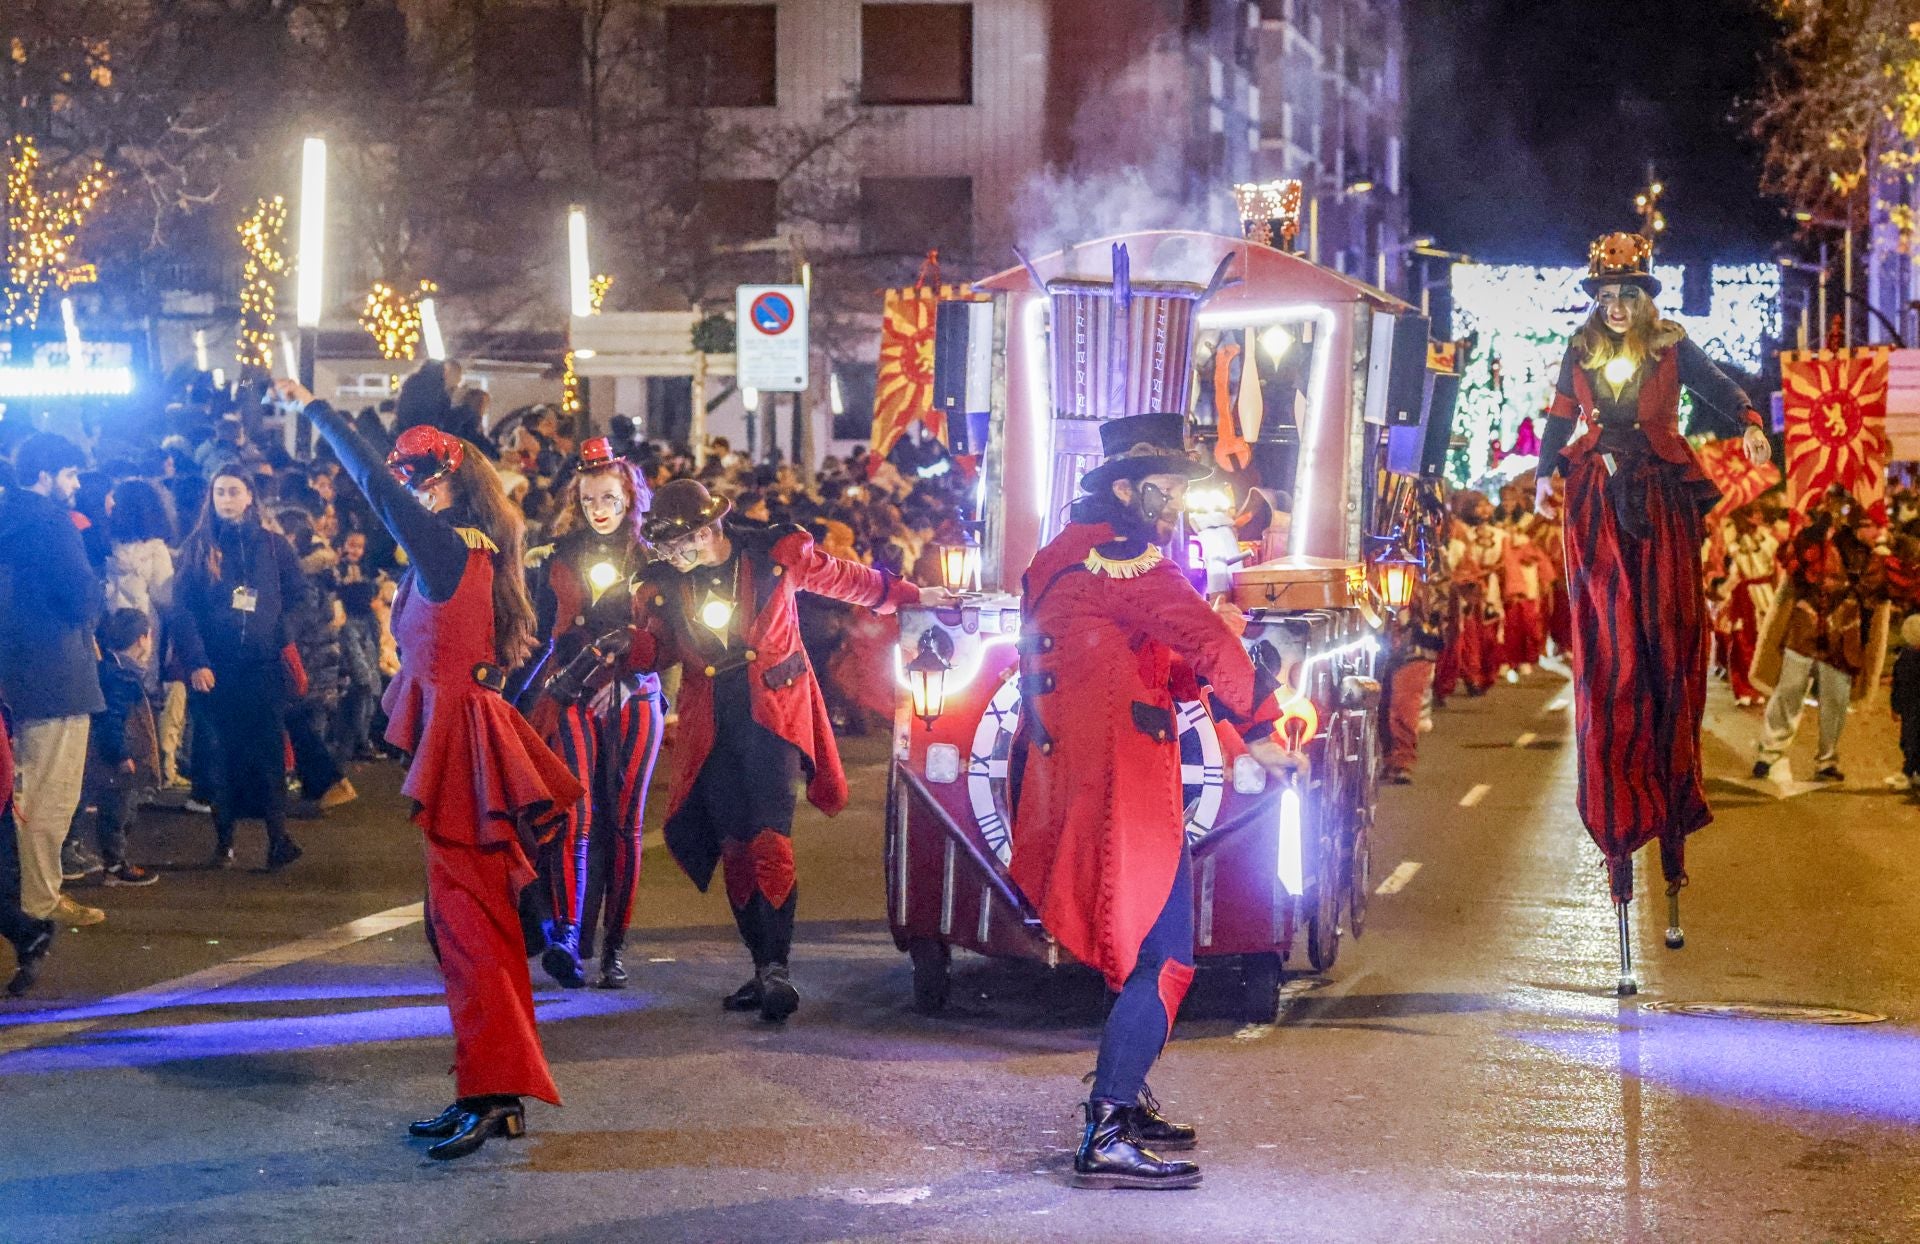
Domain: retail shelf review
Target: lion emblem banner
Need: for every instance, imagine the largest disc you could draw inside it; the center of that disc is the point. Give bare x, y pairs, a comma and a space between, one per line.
1836, 424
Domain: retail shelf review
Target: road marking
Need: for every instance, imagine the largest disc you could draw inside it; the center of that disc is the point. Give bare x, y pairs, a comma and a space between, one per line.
1397, 879
1475, 795
1288, 992
64, 1023
1526, 740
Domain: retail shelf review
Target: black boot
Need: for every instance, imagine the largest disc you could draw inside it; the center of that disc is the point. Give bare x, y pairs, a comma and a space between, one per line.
613, 973
778, 997
1109, 1159
481, 1119
30, 951
1146, 1127
283, 851
441, 1126
561, 958
745, 998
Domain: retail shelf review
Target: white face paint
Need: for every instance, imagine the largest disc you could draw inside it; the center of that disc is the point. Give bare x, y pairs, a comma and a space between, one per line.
1618, 304
603, 502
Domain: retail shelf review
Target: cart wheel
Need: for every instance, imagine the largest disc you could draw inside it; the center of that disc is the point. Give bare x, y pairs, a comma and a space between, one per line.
1260, 988
1359, 879
1323, 925
931, 982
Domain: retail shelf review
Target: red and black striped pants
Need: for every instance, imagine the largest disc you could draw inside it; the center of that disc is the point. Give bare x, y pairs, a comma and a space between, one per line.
1640, 642
593, 864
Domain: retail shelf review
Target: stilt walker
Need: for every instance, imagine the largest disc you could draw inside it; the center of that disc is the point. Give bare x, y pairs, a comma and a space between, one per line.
604, 723
484, 787
1635, 503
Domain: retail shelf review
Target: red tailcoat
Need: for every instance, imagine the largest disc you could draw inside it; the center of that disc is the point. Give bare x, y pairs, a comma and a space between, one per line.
1098, 825
776, 562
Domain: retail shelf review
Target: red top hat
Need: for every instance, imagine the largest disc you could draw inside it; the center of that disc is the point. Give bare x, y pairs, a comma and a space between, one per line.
595, 452
423, 454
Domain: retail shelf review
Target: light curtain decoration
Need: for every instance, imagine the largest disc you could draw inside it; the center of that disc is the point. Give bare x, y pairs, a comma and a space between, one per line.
263, 235
392, 318
1836, 424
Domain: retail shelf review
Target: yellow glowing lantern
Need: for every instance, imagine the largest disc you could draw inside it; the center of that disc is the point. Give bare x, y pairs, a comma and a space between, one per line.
1397, 581
927, 675
1299, 722
960, 565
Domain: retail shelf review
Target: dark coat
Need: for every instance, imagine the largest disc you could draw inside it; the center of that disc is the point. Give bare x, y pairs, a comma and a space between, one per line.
209, 632
50, 601
1905, 700
123, 731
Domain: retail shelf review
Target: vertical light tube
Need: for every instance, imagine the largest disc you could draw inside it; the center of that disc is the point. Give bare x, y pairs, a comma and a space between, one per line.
313, 232
200, 349
73, 333
430, 330
579, 274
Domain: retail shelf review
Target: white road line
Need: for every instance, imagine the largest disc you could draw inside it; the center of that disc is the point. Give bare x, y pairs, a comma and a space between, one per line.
1526, 740
1397, 879
1475, 795
64, 1023
1288, 992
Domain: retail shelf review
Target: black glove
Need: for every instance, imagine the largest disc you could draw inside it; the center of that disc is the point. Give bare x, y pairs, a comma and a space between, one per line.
572, 681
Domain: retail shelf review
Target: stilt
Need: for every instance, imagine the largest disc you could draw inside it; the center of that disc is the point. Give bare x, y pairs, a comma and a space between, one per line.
1676, 936
1628, 986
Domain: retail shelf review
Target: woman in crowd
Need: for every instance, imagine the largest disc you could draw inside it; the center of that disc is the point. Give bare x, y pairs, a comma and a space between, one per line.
139, 575
607, 728
237, 581
483, 784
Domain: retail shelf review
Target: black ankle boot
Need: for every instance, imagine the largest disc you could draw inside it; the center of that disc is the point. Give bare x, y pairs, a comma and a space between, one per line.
1108, 1158
613, 973
561, 958
745, 998
282, 852
481, 1119
778, 997
1147, 1128
441, 1126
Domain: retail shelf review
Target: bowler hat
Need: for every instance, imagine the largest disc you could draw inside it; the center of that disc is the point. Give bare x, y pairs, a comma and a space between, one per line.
1142, 445
680, 508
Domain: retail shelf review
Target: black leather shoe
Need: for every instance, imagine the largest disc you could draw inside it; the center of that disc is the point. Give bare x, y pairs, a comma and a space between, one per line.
1147, 1128
613, 973
1108, 1158
440, 1127
30, 951
280, 854
561, 958
745, 998
778, 997
480, 1121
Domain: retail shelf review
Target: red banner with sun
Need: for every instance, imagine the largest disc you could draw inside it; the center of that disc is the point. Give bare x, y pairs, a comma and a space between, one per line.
1739, 479
1836, 425
903, 388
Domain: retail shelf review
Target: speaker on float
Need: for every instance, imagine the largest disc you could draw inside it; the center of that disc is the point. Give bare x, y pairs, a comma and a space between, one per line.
1397, 370
963, 367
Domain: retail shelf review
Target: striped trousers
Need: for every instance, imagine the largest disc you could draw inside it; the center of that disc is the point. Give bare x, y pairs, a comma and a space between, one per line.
593, 864
1640, 642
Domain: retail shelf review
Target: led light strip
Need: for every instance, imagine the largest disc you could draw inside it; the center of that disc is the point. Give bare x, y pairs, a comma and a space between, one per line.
18, 382
956, 681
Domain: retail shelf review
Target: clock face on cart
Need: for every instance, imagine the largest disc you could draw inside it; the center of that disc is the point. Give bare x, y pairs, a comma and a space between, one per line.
1202, 775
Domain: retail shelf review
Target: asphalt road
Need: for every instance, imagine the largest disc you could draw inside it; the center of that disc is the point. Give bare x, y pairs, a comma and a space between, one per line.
234, 1056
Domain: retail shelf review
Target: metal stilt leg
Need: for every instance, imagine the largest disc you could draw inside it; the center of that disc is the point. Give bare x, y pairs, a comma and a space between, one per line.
1628, 986
1676, 936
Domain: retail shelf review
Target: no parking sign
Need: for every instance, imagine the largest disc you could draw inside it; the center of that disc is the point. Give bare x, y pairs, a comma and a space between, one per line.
771, 338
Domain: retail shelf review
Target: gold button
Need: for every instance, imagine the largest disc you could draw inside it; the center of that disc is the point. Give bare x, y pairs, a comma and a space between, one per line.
710, 671
659, 600
778, 571
580, 620
752, 655
1046, 749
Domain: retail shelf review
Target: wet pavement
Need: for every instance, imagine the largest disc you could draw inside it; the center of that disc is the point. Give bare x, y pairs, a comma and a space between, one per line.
234, 1056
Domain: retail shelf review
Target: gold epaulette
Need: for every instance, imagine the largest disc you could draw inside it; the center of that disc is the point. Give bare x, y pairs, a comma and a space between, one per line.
477, 539
1123, 568
537, 557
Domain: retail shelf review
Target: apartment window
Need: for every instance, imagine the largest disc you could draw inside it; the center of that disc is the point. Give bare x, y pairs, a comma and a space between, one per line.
721, 55
529, 56
916, 53
741, 209
911, 215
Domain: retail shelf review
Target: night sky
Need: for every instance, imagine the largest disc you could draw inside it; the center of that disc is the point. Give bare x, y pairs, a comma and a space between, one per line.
1532, 122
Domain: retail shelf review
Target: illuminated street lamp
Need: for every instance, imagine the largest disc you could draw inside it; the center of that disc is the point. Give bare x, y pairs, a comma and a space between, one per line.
309, 293
579, 273
1397, 579
430, 330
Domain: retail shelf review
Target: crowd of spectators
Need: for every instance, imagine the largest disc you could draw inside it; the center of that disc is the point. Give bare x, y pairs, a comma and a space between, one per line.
202, 620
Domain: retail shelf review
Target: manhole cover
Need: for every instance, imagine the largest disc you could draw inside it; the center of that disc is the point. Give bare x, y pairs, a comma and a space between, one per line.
1767, 1010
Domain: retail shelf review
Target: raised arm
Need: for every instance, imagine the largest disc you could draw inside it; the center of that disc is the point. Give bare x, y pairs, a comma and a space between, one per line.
433, 546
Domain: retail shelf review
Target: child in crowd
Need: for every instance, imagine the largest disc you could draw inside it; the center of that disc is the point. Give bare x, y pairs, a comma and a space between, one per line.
123, 755
1905, 702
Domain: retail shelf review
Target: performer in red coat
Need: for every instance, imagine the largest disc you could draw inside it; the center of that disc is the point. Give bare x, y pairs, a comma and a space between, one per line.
606, 726
483, 785
720, 603
1112, 634
1635, 499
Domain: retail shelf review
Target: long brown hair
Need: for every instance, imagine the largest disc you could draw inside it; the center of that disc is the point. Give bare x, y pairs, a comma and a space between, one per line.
478, 492
639, 498
1646, 336
200, 552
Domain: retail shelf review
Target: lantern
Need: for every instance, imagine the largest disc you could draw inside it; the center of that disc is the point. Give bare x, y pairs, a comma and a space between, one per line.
927, 675
960, 564
1397, 580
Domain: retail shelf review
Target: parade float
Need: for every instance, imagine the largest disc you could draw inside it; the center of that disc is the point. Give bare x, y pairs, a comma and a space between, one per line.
1324, 401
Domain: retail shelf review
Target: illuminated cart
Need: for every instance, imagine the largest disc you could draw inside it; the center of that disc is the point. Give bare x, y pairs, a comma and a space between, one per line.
1124, 326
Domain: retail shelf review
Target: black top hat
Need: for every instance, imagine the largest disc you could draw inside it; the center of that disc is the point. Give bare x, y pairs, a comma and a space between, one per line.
1620, 259
1142, 445
680, 508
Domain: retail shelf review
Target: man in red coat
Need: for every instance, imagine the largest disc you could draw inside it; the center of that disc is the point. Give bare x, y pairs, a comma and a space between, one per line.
720, 602
1112, 634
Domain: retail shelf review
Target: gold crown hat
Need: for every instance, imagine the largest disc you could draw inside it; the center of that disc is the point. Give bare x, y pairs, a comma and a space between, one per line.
1621, 259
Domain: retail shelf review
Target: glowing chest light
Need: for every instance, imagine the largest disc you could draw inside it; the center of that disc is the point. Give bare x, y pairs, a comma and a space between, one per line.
602, 575
1620, 370
716, 612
